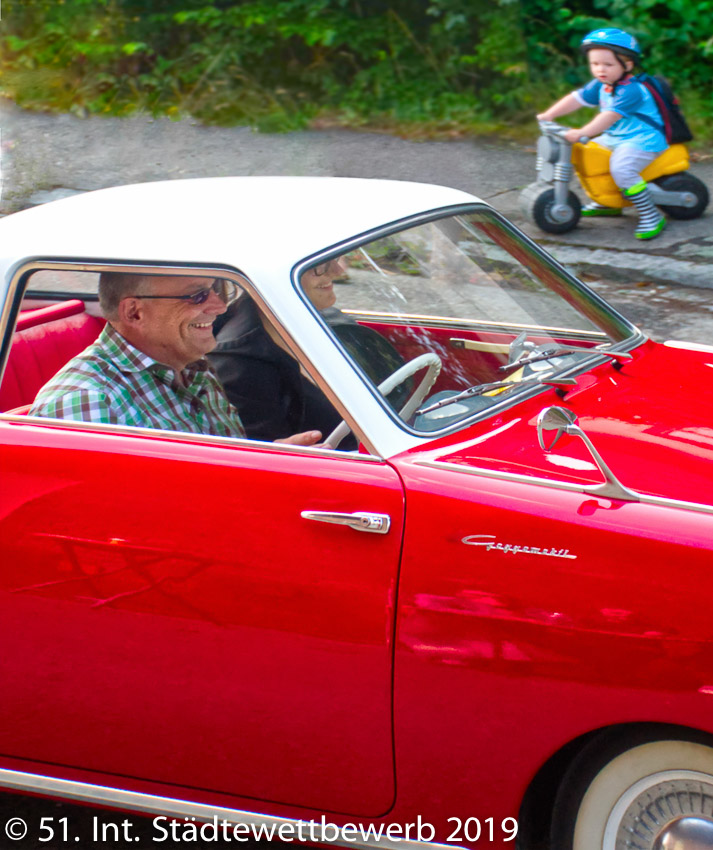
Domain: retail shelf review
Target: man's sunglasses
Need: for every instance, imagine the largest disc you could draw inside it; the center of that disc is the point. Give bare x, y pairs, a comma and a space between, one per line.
334, 265
226, 290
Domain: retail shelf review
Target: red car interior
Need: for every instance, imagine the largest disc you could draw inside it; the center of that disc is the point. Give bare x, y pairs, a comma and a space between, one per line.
44, 340
463, 366
47, 338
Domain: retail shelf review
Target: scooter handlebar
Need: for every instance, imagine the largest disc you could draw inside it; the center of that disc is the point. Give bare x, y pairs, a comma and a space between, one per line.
552, 128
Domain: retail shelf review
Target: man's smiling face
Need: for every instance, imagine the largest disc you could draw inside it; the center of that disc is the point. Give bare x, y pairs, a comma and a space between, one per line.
174, 332
318, 283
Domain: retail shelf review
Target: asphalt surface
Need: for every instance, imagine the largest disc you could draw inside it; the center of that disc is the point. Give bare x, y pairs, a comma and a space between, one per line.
45, 156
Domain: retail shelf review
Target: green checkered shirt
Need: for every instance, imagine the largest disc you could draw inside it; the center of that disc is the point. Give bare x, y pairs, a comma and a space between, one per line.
112, 382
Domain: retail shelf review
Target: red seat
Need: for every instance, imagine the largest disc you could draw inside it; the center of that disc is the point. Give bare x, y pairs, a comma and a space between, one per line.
44, 340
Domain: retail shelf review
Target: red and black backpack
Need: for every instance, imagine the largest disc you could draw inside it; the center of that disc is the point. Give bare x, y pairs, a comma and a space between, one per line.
674, 127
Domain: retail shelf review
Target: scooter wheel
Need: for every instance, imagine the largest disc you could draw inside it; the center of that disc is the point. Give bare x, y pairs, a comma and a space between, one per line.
538, 207
684, 182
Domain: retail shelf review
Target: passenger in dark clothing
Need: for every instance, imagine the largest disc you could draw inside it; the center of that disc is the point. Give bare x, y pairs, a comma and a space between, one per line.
265, 382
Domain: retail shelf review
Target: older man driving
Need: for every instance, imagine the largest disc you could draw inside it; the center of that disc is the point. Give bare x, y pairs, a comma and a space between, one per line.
148, 366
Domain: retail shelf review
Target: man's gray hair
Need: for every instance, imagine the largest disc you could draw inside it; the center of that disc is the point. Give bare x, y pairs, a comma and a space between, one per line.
113, 286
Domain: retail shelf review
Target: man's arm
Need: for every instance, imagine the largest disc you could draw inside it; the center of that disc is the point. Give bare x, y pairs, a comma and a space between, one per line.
306, 438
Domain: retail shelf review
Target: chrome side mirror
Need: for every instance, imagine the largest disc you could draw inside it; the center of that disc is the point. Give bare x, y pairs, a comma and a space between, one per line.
553, 419
552, 422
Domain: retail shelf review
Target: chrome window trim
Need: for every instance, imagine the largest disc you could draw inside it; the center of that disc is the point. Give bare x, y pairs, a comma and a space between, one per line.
172, 807
178, 436
14, 299
519, 478
476, 324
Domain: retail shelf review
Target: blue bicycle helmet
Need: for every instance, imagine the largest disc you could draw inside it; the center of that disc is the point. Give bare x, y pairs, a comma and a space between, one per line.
618, 41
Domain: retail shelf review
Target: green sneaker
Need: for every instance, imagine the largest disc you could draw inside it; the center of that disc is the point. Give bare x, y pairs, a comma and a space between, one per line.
651, 222
651, 234
593, 208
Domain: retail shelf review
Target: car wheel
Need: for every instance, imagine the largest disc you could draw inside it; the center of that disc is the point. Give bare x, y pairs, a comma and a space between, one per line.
654, 796
539, 206
684, 182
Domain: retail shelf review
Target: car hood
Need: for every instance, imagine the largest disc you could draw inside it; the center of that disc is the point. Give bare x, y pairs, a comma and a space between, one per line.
651, 421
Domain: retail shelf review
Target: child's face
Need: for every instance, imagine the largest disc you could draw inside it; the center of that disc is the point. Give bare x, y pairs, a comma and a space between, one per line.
605, 66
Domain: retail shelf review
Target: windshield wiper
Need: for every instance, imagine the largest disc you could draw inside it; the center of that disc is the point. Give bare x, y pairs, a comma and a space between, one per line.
481, 389
560, 350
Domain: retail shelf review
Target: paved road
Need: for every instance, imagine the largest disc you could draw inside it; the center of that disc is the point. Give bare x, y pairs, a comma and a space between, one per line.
45, 153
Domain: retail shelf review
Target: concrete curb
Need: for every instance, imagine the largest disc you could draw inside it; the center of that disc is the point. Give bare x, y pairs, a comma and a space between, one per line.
631, 267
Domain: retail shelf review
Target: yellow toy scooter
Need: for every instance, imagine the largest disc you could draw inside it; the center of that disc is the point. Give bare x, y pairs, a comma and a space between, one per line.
553, 207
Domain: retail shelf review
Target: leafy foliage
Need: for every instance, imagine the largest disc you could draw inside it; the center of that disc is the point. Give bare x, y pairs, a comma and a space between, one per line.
277, 64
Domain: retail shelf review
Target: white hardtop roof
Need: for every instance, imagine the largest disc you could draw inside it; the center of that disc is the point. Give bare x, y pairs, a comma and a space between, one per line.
258, 224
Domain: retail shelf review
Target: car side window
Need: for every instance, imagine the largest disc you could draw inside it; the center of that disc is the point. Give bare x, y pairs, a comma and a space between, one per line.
146, 368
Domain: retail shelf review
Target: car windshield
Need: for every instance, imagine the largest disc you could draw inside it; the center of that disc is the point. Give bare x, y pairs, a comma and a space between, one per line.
474, 301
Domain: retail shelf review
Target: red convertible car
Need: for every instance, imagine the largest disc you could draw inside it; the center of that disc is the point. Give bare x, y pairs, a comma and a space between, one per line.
478, 614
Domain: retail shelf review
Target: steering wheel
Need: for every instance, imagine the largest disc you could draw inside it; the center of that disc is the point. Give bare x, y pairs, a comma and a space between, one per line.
434, 363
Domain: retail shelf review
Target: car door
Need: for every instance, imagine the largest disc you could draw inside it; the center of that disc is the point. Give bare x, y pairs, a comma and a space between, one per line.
168, 614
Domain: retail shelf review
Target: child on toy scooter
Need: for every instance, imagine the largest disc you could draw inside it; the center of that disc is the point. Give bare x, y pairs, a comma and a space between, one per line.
628, 120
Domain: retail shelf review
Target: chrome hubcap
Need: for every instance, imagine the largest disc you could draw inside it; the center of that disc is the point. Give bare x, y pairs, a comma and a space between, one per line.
686, 833
670, 810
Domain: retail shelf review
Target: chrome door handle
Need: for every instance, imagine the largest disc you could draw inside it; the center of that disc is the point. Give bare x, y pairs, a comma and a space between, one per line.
375, 523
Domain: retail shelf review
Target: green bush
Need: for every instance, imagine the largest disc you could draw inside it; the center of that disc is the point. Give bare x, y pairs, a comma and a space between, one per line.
278, 64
